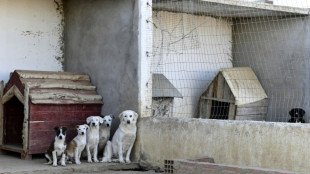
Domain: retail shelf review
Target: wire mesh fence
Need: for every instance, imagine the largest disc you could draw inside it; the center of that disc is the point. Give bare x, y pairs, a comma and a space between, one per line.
237, 60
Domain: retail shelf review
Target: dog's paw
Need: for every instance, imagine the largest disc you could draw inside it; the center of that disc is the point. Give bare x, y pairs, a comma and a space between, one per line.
121, 161
48, 163
78, 162
96, 161
89, 161
55, 165
63, 165
128, 161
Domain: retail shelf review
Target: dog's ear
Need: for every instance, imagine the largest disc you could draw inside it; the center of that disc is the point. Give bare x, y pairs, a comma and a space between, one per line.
112, 116
77, 126
87, 127
136, 115
121, 116
100, 120
64, 129
56, 128
290, 112
102, 116
88, 119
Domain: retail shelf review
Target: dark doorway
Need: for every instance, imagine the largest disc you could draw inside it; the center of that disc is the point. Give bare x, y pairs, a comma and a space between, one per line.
13, 122
219, 110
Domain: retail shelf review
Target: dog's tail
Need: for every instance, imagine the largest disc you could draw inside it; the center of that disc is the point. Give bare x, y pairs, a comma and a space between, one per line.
107, 154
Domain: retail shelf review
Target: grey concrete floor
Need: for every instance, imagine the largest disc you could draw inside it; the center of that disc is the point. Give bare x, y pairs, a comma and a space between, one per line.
12, 164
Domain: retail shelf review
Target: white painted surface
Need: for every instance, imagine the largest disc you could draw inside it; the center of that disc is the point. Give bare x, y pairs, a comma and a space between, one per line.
145, 48
293, 3
31, 36
190, 54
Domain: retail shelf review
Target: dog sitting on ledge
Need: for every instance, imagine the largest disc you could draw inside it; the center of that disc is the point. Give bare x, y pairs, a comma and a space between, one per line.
297, 115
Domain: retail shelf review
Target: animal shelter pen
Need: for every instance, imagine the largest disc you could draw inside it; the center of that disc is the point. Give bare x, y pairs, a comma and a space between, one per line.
121, 44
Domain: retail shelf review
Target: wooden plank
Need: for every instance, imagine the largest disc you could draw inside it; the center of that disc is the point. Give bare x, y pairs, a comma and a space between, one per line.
227, 92
1, 112
252, 117
251, 111
61, 81
209, 105
71, 91
232, 111
210, 90
217, 99
215, 88
52, 75
13, 91
63, 102
12, 148
262, 103
220, 86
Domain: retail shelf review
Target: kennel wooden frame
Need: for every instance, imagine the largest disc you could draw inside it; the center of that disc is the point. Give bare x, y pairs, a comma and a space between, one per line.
241, 90
49, 99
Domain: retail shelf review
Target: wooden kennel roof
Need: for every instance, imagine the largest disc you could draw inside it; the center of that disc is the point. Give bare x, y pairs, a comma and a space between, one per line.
49, 87
243, 84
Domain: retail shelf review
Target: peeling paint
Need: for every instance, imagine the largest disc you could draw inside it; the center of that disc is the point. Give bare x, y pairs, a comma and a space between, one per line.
60, 13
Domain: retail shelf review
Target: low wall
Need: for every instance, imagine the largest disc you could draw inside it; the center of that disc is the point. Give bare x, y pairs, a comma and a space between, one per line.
281, 146
189, 167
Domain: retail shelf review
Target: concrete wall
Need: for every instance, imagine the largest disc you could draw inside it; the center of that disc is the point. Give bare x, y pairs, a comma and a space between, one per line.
278, 50
31, 33
281, 146
102, 41
189, 50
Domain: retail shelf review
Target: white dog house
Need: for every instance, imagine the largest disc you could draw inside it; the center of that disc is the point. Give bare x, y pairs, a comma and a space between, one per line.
163, 94
234, 94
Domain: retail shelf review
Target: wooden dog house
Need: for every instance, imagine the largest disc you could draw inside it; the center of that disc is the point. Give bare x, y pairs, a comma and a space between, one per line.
34, 102
234, 94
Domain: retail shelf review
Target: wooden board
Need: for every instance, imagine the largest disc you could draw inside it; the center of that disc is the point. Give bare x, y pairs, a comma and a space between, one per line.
252, 117
251, 111
72, 82
232, 111
220, 86
262, 103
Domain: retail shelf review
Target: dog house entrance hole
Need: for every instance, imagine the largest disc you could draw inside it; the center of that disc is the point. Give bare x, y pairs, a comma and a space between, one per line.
13, 123
219, 110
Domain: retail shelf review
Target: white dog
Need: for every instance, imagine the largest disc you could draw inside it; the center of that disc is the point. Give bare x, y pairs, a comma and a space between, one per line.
123, 139
104, 131
93, 137
76, 146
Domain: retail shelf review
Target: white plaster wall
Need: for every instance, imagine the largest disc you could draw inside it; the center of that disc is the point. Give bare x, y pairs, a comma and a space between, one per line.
293, 3
30, 36
189, 50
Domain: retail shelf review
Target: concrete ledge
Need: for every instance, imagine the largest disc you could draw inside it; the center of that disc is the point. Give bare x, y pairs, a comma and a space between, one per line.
14, 165
189, 167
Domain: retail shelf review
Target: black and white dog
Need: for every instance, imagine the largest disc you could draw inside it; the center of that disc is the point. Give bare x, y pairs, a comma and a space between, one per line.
297, 115
57, 148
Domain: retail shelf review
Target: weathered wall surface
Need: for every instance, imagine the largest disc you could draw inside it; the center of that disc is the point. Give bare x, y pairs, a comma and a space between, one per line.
281, 146
31, 33
279, 53
102, 41
189, 50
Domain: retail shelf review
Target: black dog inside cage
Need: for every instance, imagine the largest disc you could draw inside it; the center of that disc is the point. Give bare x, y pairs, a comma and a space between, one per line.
297, 115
